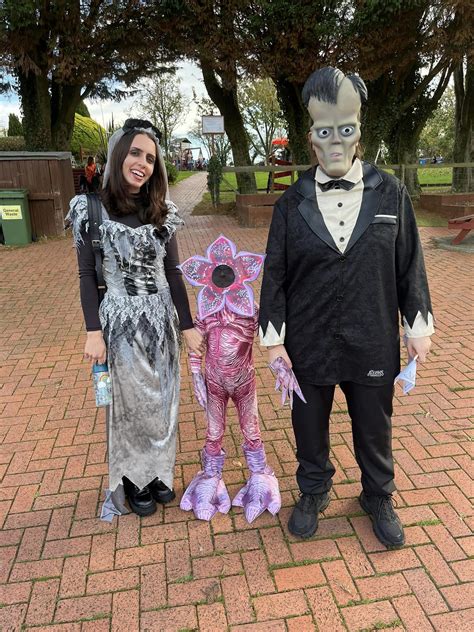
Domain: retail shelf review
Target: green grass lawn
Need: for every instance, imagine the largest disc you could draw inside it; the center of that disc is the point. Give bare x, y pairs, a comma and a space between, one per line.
439, 177
229, 181
429, 177
182, 175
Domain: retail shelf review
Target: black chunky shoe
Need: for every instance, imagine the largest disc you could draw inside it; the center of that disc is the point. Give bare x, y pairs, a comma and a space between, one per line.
385, 522
160, 492
141, 501
303, 521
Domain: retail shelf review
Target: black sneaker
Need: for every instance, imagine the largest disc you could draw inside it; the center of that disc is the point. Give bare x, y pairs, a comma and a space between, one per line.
141, 501
160, 492
385, 522
303, 521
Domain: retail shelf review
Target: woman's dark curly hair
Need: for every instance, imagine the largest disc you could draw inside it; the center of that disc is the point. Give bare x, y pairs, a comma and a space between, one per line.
149, 204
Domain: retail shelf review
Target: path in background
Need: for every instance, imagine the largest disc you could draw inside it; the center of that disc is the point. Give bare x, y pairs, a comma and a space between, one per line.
187, 193
60, 566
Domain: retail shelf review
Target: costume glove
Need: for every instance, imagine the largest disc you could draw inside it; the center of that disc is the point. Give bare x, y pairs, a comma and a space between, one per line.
286, 381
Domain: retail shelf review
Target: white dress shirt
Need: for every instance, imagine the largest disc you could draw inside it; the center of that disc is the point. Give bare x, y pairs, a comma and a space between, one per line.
340, 208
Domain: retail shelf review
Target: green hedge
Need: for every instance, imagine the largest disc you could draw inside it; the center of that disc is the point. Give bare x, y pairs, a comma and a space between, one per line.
171, 171
87, 134
12, 143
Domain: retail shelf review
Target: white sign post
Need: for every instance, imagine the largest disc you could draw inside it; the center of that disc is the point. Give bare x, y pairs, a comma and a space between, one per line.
212, 125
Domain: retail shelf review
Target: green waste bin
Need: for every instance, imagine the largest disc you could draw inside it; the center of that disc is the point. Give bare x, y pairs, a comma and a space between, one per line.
15, 217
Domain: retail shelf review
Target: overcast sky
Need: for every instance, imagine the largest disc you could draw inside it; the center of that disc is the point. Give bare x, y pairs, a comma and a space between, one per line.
102, 111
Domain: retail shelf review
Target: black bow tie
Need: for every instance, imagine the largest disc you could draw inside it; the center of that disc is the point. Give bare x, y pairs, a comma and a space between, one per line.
336, 184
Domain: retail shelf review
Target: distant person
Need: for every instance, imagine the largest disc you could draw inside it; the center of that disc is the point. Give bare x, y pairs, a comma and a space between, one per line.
92, 177
434, 160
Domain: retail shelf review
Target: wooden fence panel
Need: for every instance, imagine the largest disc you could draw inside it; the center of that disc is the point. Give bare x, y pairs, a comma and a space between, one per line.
48, 178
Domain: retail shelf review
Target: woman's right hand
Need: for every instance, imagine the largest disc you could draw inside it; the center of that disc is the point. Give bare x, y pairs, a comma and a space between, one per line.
95, 349
278, 351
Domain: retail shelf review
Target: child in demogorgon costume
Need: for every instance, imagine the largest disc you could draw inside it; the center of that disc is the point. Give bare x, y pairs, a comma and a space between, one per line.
228, 317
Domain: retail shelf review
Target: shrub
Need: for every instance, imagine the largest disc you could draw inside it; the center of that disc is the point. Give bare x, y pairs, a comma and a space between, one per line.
214, 178
82, 109
15, 127
12, 143
171, 171
87, 134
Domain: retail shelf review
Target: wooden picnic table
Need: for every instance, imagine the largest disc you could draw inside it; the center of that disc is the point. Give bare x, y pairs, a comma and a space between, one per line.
464, 225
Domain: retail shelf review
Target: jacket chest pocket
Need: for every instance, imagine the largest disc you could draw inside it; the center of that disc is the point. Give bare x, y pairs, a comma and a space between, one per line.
384, 229
385, 219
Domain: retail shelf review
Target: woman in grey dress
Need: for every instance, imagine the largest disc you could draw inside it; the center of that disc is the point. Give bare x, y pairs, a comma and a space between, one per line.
136, 327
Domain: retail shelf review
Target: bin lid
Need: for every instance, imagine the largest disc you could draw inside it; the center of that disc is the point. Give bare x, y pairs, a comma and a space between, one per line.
13, 193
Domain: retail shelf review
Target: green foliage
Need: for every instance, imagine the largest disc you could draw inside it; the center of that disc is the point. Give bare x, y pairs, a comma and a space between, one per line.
171, 171
161, 101
15, 127
262, 115
82, 109
102, 152
437, 137
87, 134
12, 143
59, 53
214, 177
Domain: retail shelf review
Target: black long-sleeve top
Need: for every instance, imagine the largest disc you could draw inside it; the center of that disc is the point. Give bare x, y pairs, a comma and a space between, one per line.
88, 278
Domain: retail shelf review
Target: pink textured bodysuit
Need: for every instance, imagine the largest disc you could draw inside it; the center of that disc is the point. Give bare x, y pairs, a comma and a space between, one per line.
228, 318
229, 373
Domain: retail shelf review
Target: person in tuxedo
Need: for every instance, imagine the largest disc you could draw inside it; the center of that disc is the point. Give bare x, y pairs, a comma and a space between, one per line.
344, 259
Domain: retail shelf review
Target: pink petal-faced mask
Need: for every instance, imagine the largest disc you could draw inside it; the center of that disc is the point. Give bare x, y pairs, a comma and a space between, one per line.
225, 276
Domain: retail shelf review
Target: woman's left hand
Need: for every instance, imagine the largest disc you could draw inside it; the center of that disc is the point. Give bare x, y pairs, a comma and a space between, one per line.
194, 341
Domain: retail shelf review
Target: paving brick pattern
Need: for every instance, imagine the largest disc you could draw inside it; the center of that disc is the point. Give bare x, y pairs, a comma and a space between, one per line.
62, 569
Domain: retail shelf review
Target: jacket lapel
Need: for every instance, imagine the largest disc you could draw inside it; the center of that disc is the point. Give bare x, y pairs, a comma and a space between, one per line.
310, 212
371, 200
309, 209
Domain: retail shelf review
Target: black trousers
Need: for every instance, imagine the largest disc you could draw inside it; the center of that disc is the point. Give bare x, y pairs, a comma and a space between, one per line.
370, 409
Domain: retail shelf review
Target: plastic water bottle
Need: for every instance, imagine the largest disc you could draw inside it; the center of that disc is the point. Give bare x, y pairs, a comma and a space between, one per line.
102, 384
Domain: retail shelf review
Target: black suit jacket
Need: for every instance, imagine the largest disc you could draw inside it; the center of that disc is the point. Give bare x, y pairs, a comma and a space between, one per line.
341, 311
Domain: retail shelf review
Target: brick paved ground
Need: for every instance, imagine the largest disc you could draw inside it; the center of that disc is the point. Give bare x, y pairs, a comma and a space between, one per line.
63, 569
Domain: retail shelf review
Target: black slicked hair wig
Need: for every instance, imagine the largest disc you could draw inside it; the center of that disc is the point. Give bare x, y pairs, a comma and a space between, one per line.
323, 84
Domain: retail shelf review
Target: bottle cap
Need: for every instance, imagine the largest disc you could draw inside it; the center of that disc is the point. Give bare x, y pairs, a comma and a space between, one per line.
99, 368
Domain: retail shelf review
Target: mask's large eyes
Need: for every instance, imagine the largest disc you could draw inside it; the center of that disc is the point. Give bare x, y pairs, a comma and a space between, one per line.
347, 130
323, 132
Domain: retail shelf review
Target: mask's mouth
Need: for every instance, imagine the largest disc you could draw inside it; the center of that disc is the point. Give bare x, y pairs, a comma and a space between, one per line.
223, 276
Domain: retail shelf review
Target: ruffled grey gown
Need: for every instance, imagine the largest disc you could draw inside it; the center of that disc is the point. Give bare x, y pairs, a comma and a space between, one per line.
141, 332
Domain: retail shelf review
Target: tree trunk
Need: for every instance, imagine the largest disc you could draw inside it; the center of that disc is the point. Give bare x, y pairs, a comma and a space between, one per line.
376, 117
64, 101
463, 140
297, 117
409, 118
402, 146
225, 99
36, 108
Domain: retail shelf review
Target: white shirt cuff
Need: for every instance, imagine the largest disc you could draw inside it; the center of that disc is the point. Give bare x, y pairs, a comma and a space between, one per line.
271, 337
420, 328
